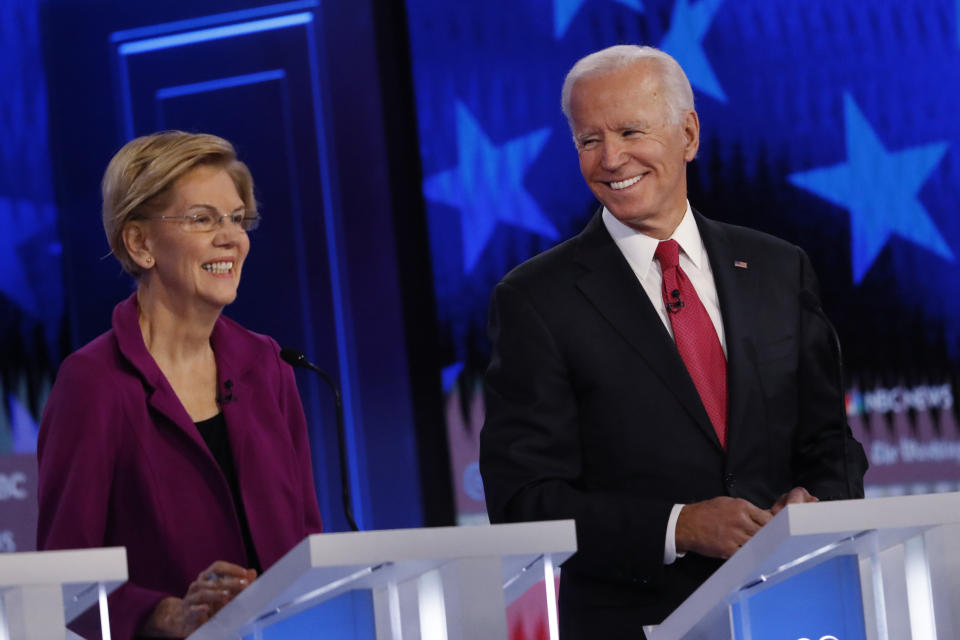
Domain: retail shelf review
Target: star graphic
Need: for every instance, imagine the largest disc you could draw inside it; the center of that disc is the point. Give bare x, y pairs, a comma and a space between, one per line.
684, 41
564, 10
879, 188
487, 185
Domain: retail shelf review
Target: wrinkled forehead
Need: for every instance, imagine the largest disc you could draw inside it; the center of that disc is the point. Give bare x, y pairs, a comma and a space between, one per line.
639, 77
206, 184
628, 94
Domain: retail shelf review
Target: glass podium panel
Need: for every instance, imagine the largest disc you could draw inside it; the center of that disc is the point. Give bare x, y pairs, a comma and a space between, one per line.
823, 602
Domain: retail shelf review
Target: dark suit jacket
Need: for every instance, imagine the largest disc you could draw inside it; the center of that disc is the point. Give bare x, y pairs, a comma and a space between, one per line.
591, 414
122, 464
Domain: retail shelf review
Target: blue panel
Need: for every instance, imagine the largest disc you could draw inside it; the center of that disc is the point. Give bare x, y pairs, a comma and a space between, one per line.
346, 616
219, 83
341, 310
218, 78
213, 33
206, 21
824, 601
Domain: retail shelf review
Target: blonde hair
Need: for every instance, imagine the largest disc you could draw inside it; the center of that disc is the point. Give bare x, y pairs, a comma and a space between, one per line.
139, 180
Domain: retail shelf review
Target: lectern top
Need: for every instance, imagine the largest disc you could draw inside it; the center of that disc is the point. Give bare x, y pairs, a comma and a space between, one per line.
63, 567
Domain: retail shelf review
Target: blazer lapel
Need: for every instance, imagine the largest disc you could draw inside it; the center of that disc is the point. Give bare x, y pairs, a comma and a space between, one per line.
736, 289
160, 395
232, 368
613, 289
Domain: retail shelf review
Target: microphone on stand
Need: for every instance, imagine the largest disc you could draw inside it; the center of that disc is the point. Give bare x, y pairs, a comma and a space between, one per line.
296, 358
811, 304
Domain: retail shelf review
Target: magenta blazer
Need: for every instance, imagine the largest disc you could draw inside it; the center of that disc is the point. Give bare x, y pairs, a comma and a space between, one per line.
122, 464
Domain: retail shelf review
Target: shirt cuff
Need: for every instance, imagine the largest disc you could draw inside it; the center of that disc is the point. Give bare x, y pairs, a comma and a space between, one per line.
670, 544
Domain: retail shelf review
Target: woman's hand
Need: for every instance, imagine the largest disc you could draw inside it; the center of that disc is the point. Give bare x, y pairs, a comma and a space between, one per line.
216, 585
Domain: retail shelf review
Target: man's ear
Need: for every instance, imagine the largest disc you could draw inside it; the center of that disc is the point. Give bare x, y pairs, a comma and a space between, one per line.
691, 135
135, 239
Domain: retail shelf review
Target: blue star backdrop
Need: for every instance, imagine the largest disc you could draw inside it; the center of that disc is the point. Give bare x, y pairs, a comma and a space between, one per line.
830, 123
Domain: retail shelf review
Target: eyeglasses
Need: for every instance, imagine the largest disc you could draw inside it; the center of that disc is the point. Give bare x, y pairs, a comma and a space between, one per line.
201, 222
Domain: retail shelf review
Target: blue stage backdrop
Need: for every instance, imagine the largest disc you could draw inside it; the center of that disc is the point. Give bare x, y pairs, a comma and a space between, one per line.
830, 123
827, 122
78, 79
31, 290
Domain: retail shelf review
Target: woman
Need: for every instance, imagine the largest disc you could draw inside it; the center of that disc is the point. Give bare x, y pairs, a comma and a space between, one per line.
178, 434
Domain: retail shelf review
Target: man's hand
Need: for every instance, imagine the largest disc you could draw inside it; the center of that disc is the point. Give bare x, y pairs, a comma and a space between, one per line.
797, 495
719, 526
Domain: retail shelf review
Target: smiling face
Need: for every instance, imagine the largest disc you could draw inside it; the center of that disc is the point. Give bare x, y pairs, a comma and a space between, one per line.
197, 267
632, 155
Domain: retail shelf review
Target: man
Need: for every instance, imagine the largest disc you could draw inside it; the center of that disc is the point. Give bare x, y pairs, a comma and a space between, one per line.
660, 378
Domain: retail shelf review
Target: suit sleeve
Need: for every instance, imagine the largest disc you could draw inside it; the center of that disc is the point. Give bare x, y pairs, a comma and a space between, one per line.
292, 408
530, 453
77, 449
818, 463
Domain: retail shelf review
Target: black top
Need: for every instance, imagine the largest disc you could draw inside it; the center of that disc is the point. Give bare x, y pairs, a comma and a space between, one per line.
214, 432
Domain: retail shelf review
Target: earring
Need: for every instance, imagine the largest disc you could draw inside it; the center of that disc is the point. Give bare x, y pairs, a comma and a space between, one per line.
149, 259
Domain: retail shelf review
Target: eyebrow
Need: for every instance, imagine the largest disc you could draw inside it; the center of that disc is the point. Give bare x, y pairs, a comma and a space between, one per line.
210, 207
635, 124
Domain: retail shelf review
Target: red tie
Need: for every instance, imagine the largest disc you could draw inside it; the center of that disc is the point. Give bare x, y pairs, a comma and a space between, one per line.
695, 336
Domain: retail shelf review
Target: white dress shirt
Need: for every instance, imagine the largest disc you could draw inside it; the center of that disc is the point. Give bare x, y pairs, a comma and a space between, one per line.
639, 250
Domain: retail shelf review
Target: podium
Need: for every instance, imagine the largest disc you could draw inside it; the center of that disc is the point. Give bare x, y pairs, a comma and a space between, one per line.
883, 568
446, 582
43, 591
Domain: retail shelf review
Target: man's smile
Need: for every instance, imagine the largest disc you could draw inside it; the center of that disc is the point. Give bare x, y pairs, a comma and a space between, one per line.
623, 184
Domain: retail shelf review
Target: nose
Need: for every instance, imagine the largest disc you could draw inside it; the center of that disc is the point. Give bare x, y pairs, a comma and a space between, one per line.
612, 154
227, 233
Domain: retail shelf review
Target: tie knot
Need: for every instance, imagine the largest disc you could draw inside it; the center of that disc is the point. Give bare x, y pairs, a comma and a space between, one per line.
668, 254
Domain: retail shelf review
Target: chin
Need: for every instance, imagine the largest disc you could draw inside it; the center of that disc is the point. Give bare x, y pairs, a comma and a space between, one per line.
629, 216
219, 301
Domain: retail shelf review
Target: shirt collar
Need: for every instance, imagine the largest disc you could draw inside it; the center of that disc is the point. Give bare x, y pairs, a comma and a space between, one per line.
638, 248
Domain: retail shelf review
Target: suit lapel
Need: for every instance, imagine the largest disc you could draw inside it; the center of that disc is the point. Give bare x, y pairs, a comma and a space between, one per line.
613, 289
736, 289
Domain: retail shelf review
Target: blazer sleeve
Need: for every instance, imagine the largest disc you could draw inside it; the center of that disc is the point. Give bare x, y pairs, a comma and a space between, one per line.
292, 409
77, 450
530, 453
818, 463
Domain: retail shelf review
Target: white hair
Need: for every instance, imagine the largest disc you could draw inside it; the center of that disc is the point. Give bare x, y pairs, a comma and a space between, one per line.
678, 93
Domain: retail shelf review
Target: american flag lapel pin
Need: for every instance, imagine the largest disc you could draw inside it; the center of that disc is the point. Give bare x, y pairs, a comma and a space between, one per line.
740, 264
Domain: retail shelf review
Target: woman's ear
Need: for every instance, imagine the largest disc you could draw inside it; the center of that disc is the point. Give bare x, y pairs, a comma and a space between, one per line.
135, 239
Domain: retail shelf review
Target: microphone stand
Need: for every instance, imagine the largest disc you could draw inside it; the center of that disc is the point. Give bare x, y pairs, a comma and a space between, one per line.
297, 359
